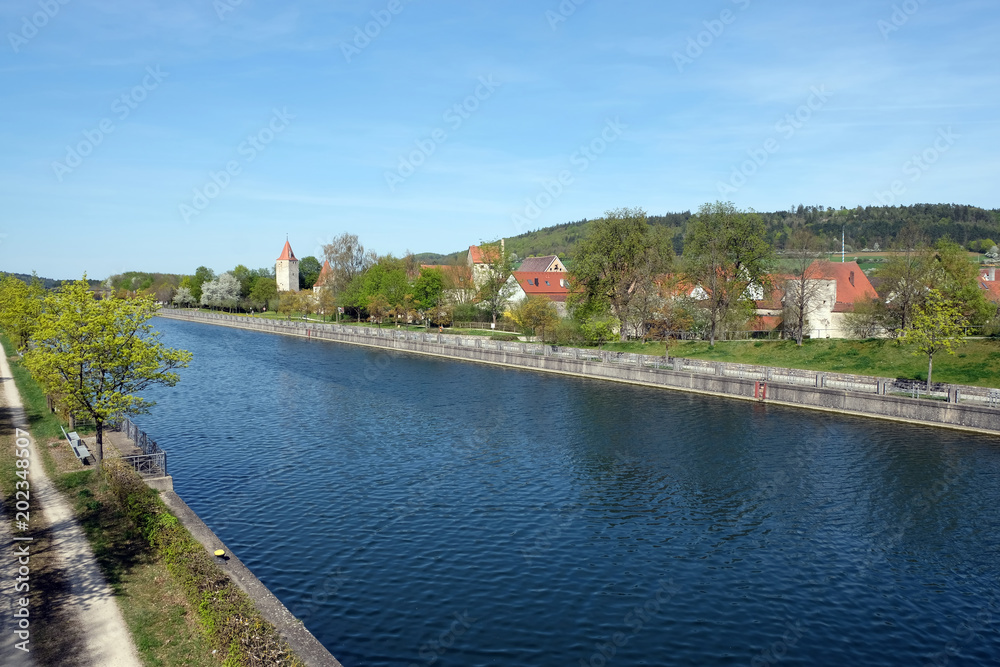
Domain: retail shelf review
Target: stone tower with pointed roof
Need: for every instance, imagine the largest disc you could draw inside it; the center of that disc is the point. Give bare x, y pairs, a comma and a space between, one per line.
286, 271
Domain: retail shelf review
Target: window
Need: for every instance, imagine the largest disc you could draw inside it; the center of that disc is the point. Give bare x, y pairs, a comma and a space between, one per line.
546, 282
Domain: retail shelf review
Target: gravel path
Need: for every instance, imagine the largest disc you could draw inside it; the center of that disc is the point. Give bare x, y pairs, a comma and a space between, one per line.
79, 612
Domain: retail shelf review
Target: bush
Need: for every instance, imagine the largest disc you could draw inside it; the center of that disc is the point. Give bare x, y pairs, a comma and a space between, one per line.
504, 338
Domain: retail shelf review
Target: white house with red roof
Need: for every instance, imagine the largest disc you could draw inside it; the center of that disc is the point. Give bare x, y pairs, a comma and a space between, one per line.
837, 287
286, 270
553, 285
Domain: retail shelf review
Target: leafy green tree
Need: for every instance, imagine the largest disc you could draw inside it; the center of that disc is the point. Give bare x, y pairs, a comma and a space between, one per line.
618, 262
245, 277
494, 286
936, 326
958, 280
98, 355
727, 253
905, 277
534, 314
378, 308
20, 308
600, 328
428, 288
309, 268
326, 302
201, 276
264, 290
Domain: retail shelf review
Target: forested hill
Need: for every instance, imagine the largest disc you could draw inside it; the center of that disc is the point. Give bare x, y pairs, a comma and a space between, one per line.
864, 227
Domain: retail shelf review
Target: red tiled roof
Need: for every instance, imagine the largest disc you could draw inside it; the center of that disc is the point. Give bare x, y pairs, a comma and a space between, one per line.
477, 254
286, 253
852, 283
543, 283
325, 274
992, 289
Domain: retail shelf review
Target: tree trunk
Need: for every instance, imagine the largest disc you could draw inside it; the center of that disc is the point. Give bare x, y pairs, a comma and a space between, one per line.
99, 447
930, 367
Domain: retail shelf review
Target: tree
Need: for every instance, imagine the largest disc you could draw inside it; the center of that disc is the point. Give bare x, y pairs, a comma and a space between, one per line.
936, 326
803, 288
348, 260
536, 313
726, 252
958, 280
494, 286
223, 292
98, 355
428, 288
618, 262
287, 303
183, 297
326, 302
440, 315
905, 277
867, 319
600, 328
201, 276
20, 308
262, 292
309, 268
378, 307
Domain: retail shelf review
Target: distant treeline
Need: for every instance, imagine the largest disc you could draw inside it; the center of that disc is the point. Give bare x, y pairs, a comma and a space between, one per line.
884, 227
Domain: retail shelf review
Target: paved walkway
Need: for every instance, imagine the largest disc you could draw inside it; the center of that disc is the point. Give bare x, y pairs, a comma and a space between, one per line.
86, 606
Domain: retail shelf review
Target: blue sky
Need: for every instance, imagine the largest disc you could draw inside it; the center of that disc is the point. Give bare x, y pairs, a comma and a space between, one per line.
162, 136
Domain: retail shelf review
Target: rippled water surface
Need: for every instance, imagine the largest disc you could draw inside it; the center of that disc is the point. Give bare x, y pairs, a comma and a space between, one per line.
419, 511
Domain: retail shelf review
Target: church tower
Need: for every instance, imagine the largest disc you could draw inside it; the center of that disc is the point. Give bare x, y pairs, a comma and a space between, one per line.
286, 271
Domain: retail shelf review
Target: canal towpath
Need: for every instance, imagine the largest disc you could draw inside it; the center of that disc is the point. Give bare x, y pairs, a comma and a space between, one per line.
84, 624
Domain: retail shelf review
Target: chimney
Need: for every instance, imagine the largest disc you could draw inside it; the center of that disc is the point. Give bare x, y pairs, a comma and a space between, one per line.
852, 278
991, 273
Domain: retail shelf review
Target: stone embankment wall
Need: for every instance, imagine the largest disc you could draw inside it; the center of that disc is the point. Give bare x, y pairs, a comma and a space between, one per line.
968, 408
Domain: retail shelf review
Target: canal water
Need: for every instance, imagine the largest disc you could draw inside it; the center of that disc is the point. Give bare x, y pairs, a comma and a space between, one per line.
419, 511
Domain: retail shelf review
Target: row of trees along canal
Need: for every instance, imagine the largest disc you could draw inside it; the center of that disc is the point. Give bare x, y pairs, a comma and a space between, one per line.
92, 356
625, 281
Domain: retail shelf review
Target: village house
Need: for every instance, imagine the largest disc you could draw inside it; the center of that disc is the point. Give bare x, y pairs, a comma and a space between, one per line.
988, 283
835, 287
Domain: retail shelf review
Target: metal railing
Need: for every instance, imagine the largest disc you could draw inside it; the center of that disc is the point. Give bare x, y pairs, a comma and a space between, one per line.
153, 460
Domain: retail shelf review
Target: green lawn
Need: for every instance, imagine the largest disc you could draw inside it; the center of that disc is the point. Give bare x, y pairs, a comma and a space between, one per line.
977, 362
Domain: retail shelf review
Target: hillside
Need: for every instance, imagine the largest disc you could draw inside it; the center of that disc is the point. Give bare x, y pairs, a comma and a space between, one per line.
863, 228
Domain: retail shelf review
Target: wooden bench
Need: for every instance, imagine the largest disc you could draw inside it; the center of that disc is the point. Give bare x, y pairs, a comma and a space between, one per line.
76, 442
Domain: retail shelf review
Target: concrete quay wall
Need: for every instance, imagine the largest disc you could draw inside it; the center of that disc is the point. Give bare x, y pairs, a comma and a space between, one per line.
745, 383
